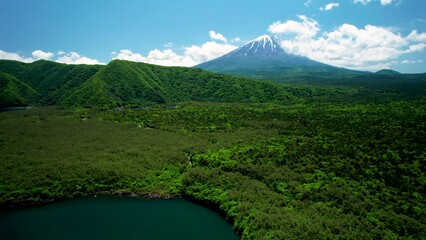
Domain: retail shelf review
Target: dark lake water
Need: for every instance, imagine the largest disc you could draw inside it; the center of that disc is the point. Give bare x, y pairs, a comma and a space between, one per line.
115, 218
6, 109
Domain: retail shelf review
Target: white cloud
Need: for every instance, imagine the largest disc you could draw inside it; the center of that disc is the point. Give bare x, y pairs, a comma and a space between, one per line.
236, 39
39, 54
75, 58
191, 56
382, 2
406, 61
308, 3
414, 36
385, 2
217, 36
306, 28
169, 58
14, 56
63, 57
165, 58
168, 45
129, 55
362, 1
416, 48
329, 6
208, 51
368, 48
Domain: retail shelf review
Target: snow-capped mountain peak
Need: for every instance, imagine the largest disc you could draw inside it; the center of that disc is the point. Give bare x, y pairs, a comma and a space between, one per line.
264, 39
263, 46
264, 52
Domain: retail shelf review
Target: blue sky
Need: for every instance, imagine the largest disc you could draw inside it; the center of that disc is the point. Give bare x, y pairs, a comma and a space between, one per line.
357, 34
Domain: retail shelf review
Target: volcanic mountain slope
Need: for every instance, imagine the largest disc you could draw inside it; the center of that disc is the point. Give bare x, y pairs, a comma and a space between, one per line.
260, 53
264, 58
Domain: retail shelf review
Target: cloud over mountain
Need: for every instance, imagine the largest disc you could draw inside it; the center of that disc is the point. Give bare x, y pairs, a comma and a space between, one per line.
75, 58
191, 56
367, 48
62, 57
305, 28
39, 54
208, 51
14, 56
166, 57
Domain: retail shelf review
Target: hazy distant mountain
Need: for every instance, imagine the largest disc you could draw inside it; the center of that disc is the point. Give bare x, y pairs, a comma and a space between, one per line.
387, 72
264, 58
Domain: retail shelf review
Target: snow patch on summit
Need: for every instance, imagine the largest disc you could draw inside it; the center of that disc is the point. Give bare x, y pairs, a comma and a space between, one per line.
262, 45
264, 39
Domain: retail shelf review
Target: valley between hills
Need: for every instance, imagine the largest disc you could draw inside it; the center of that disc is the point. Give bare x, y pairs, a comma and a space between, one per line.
315, 152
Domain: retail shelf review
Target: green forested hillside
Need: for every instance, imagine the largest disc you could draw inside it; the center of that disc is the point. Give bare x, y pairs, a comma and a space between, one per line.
119, 83
14, 92
133, 84
130, 83
50, 79
124, 83
47, 76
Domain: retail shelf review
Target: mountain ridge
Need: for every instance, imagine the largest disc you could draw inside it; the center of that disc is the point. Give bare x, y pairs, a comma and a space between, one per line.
50, 79
126, 83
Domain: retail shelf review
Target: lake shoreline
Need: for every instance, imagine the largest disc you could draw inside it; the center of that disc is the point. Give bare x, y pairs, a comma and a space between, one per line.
15, 108
115, 217
143, 196
215, 208
136, 195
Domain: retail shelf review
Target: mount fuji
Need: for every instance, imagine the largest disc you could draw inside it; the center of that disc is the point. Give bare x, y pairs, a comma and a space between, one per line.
264, 58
